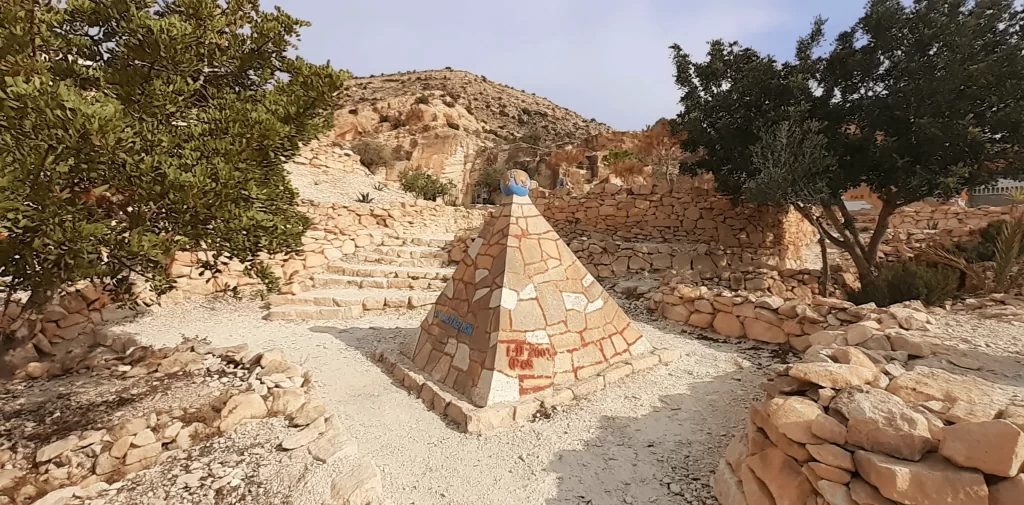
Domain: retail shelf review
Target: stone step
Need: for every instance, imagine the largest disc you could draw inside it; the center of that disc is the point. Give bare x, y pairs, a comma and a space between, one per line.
433, 242
406, 252
382, 259
390, 271
345, 303
347, 281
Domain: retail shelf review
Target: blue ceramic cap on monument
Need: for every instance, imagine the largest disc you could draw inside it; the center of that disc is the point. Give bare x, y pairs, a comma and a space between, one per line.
515, 182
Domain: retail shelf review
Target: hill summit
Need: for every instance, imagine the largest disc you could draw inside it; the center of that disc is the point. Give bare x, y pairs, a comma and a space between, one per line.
497, 110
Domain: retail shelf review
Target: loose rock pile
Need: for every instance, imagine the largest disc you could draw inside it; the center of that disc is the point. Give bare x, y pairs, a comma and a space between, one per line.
855, 425
75, 438
799, 322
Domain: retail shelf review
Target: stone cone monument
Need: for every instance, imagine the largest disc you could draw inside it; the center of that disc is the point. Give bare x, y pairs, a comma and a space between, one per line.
521, 315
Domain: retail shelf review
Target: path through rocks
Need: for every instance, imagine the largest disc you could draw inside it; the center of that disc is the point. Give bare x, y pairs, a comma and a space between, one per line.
655, 437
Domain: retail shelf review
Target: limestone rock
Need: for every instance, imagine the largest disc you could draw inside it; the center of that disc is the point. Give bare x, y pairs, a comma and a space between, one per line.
106, 463
782, 476
358, 485
759, 417
285, 401
866, 494
144, 437
765, 332
120, 448
835, 493
728, 325
727, 485
139, 454
1007, 492
179, 361
755, 491
924, 384
833, 375
332, 445
833, 456
881, 422
932, 481
240, 408
794, 415
128, 428
994, 447
309, 412
304, 436
9, 477
963, 412
853, 356
56, 449
830, 473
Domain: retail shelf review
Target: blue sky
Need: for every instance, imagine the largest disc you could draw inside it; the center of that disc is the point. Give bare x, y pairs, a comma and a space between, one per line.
604, 59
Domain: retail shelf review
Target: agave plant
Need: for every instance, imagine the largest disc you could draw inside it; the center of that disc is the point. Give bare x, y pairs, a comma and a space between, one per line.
364, 198
379, 186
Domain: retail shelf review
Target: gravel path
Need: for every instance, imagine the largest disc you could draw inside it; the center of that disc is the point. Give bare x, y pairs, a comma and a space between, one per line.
651, 438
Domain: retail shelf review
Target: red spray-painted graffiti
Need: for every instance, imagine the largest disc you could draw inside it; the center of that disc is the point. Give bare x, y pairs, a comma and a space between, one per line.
521, 356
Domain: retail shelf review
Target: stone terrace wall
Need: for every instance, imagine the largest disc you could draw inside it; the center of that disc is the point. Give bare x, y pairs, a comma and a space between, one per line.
337, 230
687, 211
921, 216
854, 423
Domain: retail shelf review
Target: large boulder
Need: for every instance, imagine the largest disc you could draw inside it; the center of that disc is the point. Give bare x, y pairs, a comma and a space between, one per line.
833, 375
794, 415
994, 447
932, 481
881, 422
241, 408
782, 475
765, 332
924, 384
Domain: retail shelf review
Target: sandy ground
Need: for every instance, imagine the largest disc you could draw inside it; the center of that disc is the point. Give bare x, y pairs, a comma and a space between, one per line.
652, 438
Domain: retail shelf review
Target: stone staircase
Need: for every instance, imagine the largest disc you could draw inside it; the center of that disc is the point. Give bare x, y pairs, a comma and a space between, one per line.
401, 273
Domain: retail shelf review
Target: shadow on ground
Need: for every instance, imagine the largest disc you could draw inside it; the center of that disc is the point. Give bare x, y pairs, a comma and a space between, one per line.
664, 457
367, 340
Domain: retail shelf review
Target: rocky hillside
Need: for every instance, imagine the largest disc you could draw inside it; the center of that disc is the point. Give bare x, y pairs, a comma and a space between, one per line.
498, 110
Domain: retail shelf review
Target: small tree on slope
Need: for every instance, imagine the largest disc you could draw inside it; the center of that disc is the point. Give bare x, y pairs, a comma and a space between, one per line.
135, 128
917, 102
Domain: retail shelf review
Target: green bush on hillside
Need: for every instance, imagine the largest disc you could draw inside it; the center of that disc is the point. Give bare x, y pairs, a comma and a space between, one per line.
424, 185
132, 129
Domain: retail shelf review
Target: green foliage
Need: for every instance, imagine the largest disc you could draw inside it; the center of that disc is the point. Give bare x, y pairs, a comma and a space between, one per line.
423, 99
424, 185
379, 186
489, 179
372, 154
265, 274
364, 198
618, 156
789, 161
905, 281
908, 108
132, 129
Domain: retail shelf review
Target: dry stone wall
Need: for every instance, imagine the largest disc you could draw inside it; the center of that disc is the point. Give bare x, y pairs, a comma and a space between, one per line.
857, 421
687, 212
337, 230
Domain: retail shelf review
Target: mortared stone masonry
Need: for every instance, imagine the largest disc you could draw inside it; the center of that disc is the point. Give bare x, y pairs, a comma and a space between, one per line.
521, 315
